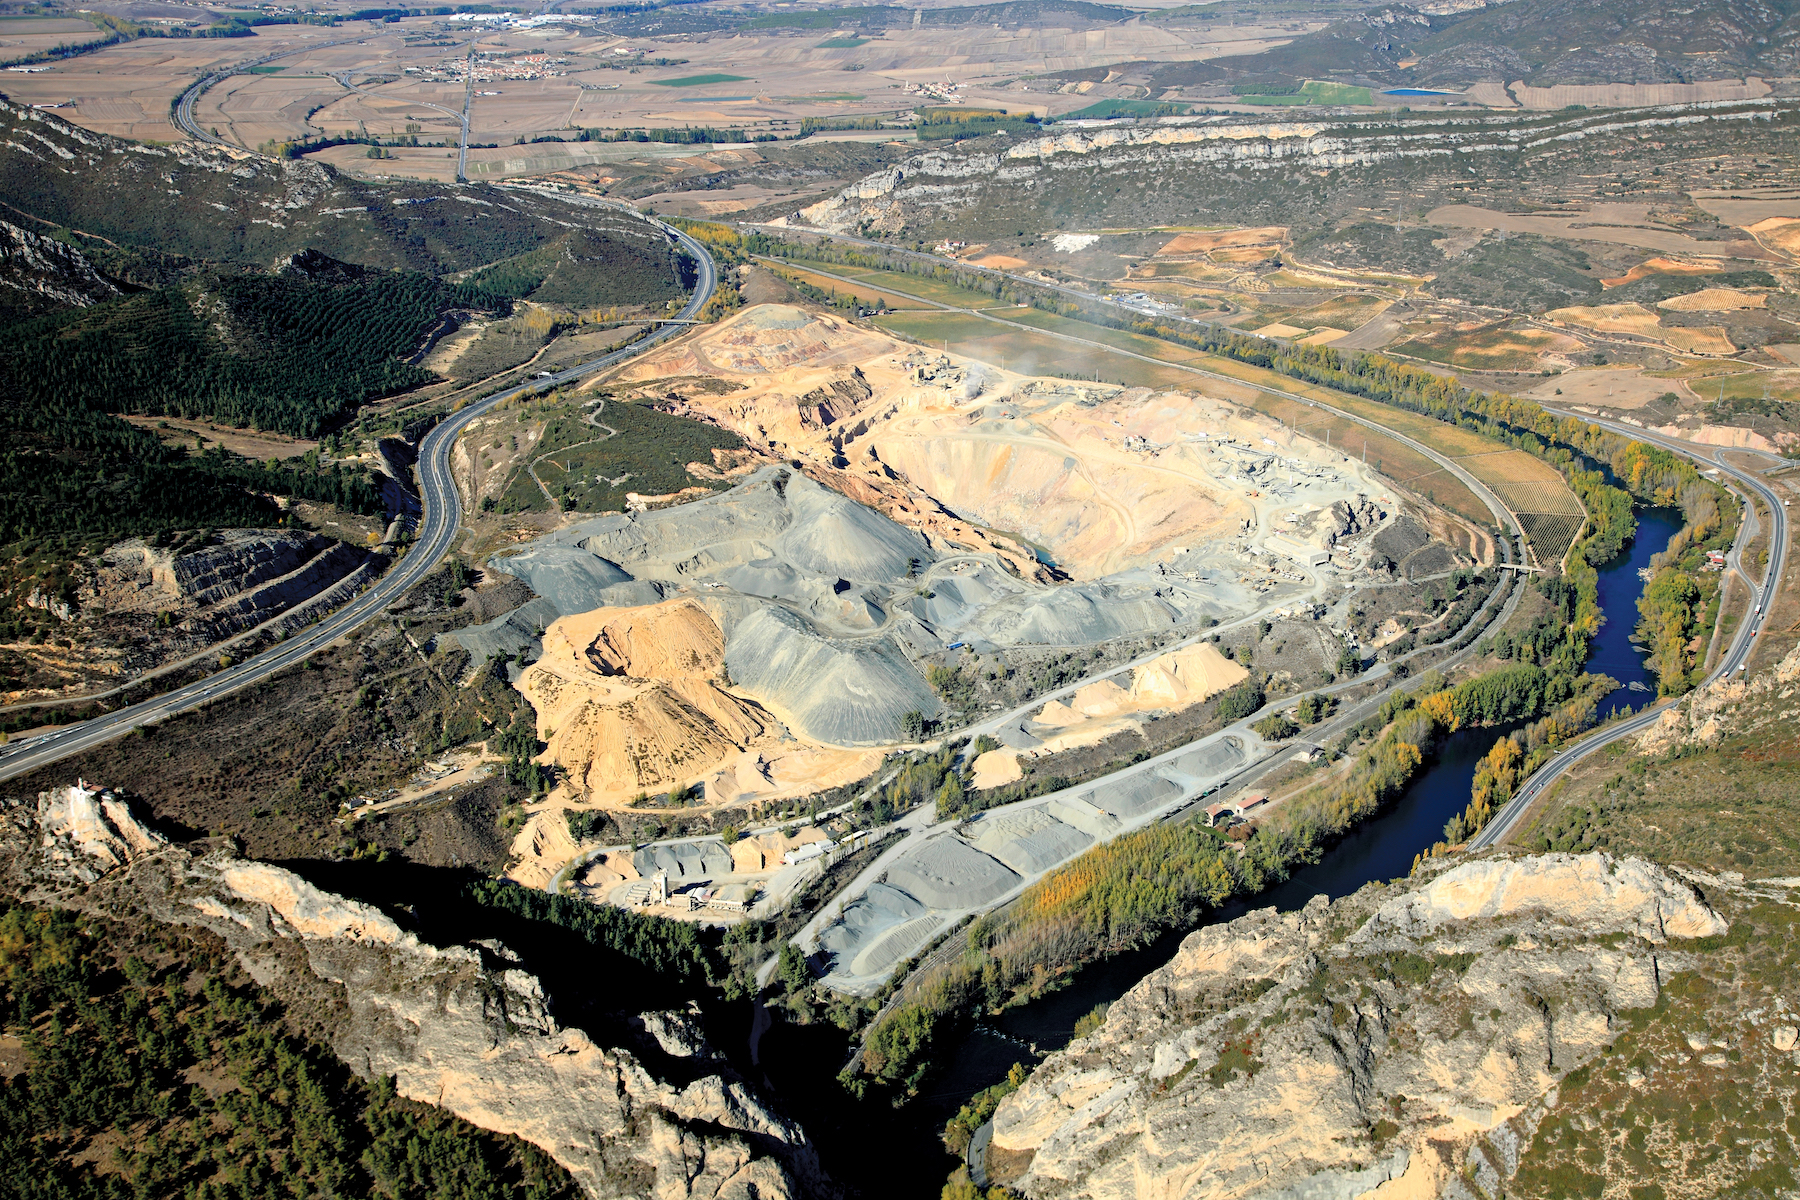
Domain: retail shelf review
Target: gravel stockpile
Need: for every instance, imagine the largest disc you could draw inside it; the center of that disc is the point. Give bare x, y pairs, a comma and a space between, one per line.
948, 873
1134, 795
685, 862
1030, 840
840, 693
513, 633
1119, 606
857, 938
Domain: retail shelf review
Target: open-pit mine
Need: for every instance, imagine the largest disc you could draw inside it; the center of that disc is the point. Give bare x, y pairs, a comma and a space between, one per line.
905, 520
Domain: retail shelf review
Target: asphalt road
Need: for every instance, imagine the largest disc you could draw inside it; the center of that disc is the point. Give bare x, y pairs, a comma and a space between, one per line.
1735, 657
438, 525
183, 111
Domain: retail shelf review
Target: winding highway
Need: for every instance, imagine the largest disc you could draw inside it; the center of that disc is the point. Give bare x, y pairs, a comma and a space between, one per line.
182, 111
438, 525
1735, 658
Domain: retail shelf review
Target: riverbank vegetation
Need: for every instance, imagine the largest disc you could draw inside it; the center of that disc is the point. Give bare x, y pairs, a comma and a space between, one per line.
1124, 894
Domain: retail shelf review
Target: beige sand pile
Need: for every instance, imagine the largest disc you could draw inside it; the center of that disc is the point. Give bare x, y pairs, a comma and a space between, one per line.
604, 872
764, 851
779, 771
1185, 677
542, 846
630, 700
1714, 300
1171, 681
1096, 711
996, 768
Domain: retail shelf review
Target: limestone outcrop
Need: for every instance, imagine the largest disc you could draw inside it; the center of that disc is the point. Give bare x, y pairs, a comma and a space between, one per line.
40, 274
460, 1026
1400, 1039
1702, 718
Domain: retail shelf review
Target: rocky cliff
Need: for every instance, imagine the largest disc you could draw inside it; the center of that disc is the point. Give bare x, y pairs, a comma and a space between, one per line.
1219, 158
1405, 1041
1702, 718
460, 1027
39, 274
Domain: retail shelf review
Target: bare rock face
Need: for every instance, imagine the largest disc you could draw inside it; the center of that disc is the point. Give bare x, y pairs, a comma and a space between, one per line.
41, 274
238, 579
460, 1027
1358, 1045
1702, 718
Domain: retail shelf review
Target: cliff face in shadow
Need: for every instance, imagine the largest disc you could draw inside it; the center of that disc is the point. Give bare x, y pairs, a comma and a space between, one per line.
462, 1027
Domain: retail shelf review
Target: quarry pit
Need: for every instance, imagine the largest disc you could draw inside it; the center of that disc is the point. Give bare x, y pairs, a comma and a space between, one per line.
910, 514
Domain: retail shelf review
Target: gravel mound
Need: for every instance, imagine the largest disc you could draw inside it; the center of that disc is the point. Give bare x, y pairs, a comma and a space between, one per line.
833, 535
1030, 841
948, 873
1084, 613
1205, 764
569, 577
1133, 796
513, 633
685, 862
841, 693
866, 923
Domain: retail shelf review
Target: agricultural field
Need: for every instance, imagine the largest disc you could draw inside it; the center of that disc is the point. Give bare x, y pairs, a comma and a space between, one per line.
557, 76
1495, 349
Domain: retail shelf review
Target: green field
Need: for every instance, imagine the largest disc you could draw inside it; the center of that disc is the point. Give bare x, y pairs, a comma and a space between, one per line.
843, 43
699, 80
867, 295
1021, 350
912, 285
1124, 108
1315, 92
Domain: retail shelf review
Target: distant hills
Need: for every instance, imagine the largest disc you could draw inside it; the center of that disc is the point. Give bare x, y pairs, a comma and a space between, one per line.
1544, 43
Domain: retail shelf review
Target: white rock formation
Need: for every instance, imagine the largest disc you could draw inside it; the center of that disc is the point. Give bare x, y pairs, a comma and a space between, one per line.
460, 1026
1287, 1056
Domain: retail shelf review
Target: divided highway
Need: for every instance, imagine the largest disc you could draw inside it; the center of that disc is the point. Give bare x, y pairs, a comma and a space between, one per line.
1736, 656
438, 525
183, 109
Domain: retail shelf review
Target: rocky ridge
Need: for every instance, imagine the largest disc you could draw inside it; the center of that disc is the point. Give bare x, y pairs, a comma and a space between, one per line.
460, 1027
950, 182
41, 274
1703, 717
1409, 1038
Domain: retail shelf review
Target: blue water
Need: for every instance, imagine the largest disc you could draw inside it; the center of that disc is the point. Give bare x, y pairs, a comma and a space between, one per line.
1417, 92
1614, 653
1382, 848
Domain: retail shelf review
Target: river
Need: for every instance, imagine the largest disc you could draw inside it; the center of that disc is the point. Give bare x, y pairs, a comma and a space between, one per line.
907, 1159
